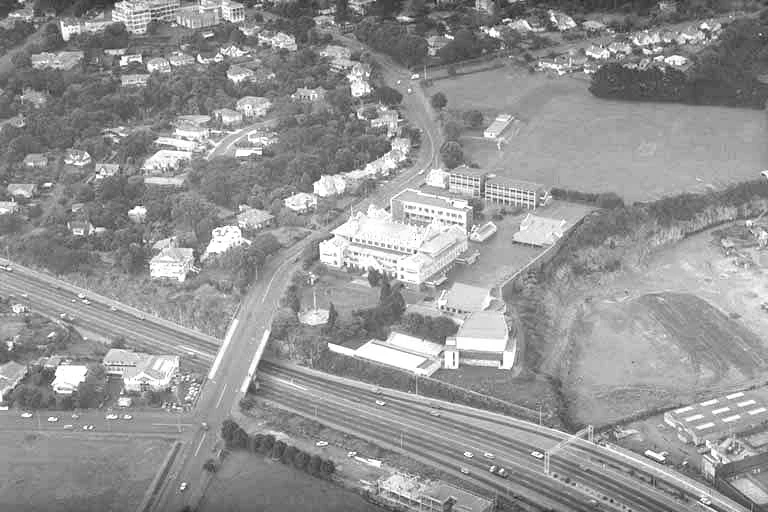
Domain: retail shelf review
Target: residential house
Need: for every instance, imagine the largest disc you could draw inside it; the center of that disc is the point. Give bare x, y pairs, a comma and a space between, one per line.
227, 116
597, 53
195, 119
172, 263
178, 144
360, 88
35, 98
301, 202
305, 94
360, 71
464, 299
691, 35
191, 131
223, 239
238, 74
668, 36
158, 65
232, 51
676, 60
22, 190
134, 80
77, 157
278, 41
253, 219
435, 43
561, 21
60, 60
68, 378
521, 26
72, 27
324, 20
249, 152
179, 59
262, 138
539, 231
437, 178
342, 64
620, 47
593, 26
166, 160
484, 5
590, 68
333, 51
131, 58
233, 12
166, 243
388, 119
35, 161
253, 106
141, 372
80, 228
11, 374
137, 214
401, 144
209, 57
8, 207
103, 170
329, 186
360, 6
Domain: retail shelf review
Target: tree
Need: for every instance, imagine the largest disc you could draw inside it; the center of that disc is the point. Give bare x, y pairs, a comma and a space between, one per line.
300, 460
374, 277
152, 27
278, 450
387, 95
118, 342
473, 118
228, 428
210, 466
332, 316
342, 11
452, 130
452, 154
327, 468
438, 101
315, 462
289, 454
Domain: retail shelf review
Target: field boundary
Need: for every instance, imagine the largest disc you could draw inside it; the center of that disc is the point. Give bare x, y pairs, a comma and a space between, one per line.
149, 496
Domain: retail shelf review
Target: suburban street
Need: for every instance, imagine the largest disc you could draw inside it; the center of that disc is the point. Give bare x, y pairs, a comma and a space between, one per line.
226, 146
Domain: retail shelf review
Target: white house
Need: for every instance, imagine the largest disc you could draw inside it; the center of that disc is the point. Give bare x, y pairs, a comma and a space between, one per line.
191, 131
253, 106
77, 157
597, 52
676, 60
483, 340
329, 185
539, 231
141, 372
301, 202
254, 219
68, 378
137, 214
165, 160
561, 21
437, 178
223, 239
8, 207
132, 58
159, 65
172, 263
239, 74
360, 88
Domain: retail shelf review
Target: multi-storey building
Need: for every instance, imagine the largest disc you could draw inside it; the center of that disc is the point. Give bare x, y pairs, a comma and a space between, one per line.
412, 254
512, 192
233, 12
416, 207
466, 181
136, 14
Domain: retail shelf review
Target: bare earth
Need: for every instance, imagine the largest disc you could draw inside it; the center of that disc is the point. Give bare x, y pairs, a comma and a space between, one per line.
666, 335
61, 473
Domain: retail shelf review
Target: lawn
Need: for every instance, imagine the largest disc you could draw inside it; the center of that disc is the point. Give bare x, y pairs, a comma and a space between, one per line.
571, 139
249, 482
61, 473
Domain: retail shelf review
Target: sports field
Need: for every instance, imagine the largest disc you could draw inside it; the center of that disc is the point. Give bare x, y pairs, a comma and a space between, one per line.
570, 139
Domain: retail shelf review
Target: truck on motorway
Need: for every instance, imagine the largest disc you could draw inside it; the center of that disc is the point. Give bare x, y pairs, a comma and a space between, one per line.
66, 318
655, 456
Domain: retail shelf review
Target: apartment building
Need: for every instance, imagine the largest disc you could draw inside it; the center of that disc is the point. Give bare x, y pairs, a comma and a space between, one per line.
233, 12
467, 181
511, 192
416, 207
136, 14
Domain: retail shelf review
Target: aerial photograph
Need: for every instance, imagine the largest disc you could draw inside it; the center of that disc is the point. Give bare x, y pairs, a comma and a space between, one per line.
383, 255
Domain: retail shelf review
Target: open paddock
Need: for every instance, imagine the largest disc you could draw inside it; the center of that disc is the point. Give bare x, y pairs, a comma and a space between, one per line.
570, 139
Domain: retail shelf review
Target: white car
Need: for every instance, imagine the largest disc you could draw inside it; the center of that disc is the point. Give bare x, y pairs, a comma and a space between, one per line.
381, 403
80, 296
183, 486
410, 91
436, 414
538, 455
112, 308
399, 82
26, 415
127, 417
321, 444
53, 419
75, 416
705, 500
464, 471
112, 416
415, 76
68, 427
488, 455
86, 302
469, 455
351, 454
88, 427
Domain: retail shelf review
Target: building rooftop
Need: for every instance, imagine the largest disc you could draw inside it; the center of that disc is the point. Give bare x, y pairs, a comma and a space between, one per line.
465, 501
539, 231
465, 169
716, 418
484, 324
438, 201
465, 297
515, 183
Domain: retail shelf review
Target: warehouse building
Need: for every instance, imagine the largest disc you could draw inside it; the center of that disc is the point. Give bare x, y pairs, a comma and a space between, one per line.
408, 492
404, 352
483, 340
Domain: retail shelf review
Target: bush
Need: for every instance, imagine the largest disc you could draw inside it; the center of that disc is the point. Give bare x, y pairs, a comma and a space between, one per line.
300, 460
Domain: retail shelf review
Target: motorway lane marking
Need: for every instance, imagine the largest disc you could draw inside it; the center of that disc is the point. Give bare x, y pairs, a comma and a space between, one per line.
220, 355
193, 351
172, 424
199, 445
290, 383
218, 402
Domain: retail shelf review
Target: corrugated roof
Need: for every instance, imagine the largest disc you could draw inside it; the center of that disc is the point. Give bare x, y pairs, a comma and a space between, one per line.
464, 297
484, 324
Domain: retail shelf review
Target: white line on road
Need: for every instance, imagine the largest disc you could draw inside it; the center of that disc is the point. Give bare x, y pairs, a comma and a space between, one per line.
297, 386
171, 424
192, 351
223, 349
199, 445
255, 362
221, 396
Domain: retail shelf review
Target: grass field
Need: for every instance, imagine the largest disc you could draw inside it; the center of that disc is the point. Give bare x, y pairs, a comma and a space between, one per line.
571, 139
59, 473
248, 482
687, 326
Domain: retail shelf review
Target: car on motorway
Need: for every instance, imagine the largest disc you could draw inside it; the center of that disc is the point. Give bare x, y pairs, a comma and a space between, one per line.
127, 417
410, 91
112, 416
69, 427
204, 425
705, 500
112, 308
469, 455
8, 268
75, 416
86, 302
415, 76
74, 301
436, 414
183, 486
489, 455
89, 427
53, 419
351, 454
26, 415
381, 403
464, 471
321, 444
81, 296
24, 295
536, 454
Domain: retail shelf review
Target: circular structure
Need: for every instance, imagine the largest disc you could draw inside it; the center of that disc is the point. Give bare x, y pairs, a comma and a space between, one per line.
314, 317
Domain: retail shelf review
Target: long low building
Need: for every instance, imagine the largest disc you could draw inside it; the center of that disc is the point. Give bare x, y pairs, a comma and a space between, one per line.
412, 254
404, 352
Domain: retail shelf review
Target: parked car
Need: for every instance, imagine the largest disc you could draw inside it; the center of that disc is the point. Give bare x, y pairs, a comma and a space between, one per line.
351, 454
81, 296
127, 417
112, 416
183, 486
53, 419
436, 414
75, 416
112, 308
465, 471
488, 455
68, 427
26, 415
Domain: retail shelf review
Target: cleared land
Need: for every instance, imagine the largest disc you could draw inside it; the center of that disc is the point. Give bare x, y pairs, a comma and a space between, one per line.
571, 139
61, 473
687, 326
248, 482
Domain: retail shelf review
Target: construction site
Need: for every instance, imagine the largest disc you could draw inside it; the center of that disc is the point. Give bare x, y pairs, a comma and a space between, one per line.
745, 243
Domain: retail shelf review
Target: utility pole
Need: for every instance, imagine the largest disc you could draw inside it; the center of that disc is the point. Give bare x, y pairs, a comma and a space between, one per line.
539, 413
402, 439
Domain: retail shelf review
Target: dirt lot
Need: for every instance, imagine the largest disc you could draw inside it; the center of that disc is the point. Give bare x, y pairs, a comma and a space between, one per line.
60, 473
686, 326
500, 256
569, 139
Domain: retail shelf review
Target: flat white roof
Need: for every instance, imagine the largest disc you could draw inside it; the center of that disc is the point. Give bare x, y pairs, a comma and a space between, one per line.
734, 395
694, 417
731, 418
746, 403
390, 356
721, 410
705, 426
414, 344
709, 402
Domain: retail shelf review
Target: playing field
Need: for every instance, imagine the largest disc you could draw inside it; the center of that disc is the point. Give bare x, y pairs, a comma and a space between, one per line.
61, 473
570, 139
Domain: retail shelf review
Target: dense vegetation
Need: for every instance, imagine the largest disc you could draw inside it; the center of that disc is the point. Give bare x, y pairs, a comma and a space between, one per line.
267, 445
726, 73
394, 40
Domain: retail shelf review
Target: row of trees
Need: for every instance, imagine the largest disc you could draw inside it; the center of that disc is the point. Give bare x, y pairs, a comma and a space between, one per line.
394, 40
725, 73
237, 438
